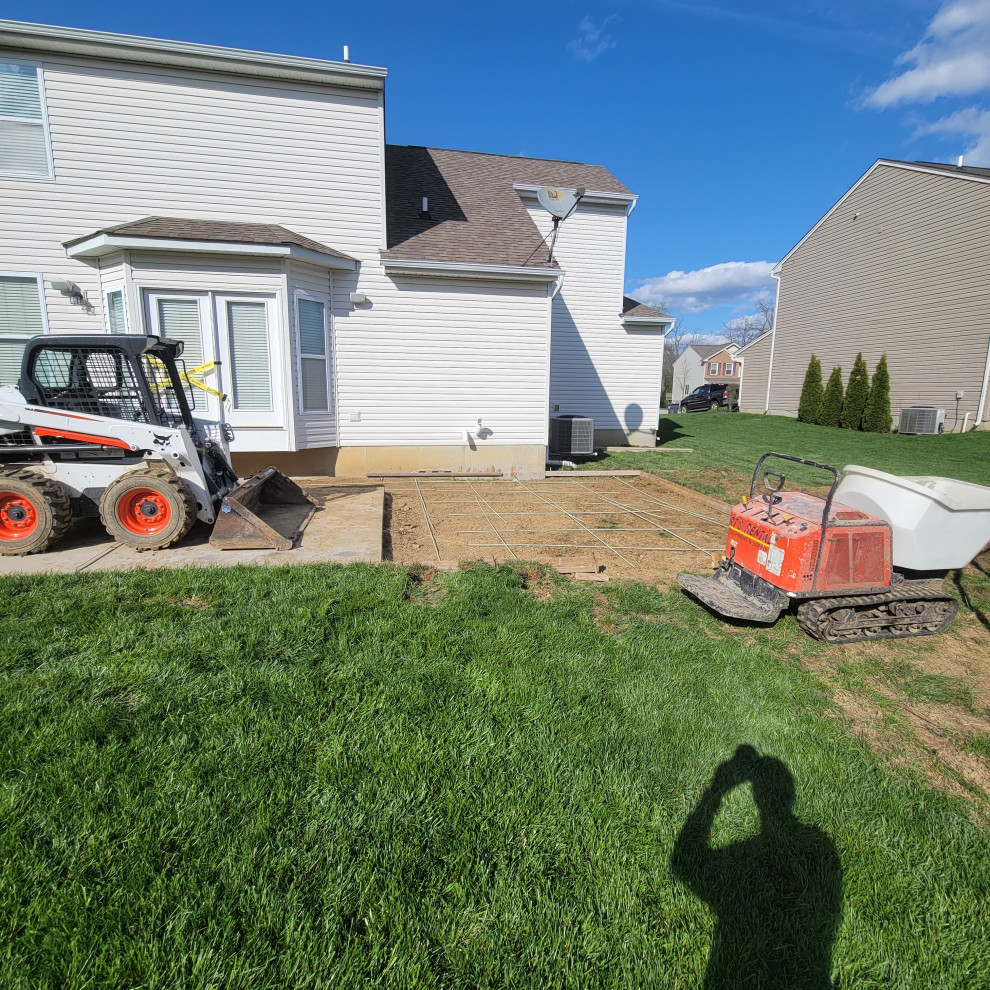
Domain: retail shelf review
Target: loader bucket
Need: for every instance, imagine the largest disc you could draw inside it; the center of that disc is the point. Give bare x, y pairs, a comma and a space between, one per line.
264, 512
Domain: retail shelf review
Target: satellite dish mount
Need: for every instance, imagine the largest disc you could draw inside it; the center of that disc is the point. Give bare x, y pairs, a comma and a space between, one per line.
560, 204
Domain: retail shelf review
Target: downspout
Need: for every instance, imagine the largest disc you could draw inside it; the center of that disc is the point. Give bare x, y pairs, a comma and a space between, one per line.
773, 340
981, 408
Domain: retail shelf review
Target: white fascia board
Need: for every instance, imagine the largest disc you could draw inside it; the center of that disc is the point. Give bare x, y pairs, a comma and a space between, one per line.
590, 196
879, 163
100, 245
212, 58
449, 269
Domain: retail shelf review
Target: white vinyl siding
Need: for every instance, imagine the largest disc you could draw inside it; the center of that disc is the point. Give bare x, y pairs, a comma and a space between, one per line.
435, 355
116, 311
314, 364
21, 316
247, 337
24, 147
599, 368
131, 141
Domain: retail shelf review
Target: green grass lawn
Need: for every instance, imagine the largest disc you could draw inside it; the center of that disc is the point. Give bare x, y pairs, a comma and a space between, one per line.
726, 447
348, 777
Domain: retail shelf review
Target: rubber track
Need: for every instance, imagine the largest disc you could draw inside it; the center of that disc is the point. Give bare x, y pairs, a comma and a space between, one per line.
54, 494
809, 613
181, 489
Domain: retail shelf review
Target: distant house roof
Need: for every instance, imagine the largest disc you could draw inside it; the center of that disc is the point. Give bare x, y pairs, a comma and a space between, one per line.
474, 212
960, 170
705, 351
633, 310
213, 232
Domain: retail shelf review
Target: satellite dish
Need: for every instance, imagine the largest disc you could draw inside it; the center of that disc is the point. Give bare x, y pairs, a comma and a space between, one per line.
558, 202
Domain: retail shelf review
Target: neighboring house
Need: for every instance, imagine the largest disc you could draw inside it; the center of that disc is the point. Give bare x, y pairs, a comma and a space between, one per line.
370, 307
898, 266
699, 364
722, 366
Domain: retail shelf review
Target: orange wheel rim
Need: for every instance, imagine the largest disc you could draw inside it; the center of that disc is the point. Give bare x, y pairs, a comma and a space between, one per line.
18, 517
144, 511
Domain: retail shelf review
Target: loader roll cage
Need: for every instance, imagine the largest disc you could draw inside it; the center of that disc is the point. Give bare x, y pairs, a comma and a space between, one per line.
130, 378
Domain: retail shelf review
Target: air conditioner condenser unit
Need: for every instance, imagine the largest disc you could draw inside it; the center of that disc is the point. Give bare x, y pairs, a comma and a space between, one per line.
572, 435
921, 420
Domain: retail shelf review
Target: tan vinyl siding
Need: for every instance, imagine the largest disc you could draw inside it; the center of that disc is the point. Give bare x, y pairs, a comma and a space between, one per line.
756, 374
899, 267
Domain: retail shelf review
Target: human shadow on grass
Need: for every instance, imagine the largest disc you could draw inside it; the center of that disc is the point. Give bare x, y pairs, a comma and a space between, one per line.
777, 895
981, 617
669, 429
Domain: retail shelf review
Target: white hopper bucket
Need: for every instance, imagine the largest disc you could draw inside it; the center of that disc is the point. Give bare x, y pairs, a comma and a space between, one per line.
939, 524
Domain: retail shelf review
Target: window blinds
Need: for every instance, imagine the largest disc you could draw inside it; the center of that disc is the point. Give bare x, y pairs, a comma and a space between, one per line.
23, 142
313, 370
247, 327
20, 318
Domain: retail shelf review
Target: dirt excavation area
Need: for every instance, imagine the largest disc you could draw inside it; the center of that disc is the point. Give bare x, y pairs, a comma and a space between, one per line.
623, 526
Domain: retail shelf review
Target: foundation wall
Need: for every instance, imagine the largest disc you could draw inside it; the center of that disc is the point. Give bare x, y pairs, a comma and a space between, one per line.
515, 460
618, 438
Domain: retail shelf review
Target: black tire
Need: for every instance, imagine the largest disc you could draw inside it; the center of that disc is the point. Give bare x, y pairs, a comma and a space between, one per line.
148, 509
34, 512
684, 408
714, 407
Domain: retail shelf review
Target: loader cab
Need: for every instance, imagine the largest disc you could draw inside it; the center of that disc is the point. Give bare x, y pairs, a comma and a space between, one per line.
129, 378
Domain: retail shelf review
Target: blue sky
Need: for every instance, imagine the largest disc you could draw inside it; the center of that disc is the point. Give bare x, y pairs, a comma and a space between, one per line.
738, 123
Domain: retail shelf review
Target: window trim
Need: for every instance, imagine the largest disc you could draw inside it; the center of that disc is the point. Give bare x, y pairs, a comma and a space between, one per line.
43, 99
730, 369
327, 356
274, 417
42, 301
713, 369
108, 290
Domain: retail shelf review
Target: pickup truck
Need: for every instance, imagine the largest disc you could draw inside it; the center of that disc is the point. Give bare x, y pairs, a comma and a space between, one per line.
711, 398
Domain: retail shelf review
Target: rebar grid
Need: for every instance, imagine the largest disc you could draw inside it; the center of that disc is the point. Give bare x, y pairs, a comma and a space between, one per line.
536, 494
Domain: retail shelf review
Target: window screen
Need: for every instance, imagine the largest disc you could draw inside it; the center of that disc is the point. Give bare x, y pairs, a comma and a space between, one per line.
20, 318
247, 326
23, 139
313, 366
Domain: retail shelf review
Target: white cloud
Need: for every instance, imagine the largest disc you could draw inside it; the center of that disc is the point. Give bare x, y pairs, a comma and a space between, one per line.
592, 42
700, 290
970, 123
952, 59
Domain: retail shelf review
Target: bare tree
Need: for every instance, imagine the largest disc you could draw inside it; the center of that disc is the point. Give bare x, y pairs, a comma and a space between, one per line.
745, 329
677, 339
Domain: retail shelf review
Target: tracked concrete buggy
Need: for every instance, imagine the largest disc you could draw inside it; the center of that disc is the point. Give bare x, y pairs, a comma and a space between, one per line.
103, 426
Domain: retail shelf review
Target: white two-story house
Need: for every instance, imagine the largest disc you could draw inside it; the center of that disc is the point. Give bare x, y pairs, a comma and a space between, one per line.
362, 308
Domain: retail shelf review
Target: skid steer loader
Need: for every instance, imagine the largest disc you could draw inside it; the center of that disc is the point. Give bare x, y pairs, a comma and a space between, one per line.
102, 426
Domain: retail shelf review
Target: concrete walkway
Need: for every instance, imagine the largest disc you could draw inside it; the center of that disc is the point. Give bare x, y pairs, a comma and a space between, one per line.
344, 527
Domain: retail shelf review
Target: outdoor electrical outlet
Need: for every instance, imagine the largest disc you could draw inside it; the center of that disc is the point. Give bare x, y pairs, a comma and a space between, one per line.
959, 393
355, 415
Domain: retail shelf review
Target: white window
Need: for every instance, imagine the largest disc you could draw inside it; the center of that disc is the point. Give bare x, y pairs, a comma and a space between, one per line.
25, 149
116, 311
22, 315
713, 368
314, 355
730, 369
250, 380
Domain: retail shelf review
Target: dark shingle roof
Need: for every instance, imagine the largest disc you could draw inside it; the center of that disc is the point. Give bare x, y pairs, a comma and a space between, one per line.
475, 216
175, 228
707, 350
633, 309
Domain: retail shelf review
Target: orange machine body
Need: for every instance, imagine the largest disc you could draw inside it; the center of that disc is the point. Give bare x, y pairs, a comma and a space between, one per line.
780, 543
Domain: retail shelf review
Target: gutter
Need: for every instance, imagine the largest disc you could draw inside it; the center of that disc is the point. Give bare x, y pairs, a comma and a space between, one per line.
100, 245
451, 269
590, 196
49, 38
